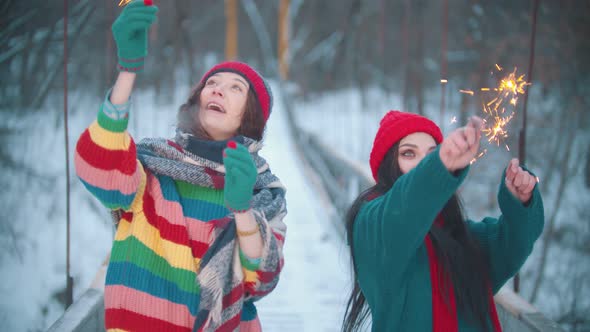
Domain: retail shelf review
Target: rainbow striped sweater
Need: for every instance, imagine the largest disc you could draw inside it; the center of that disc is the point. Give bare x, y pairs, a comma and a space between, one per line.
151, 282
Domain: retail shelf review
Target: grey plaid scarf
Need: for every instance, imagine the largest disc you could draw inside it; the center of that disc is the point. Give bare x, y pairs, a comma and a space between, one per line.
199, 162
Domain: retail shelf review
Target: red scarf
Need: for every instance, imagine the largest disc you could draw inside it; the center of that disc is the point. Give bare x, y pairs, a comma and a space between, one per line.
444, 316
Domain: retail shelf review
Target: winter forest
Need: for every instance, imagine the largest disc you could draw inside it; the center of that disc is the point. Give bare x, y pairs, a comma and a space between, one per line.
344, 64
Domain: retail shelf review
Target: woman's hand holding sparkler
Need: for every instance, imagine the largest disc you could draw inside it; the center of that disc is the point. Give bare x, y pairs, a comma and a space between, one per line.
519, 182
459, 148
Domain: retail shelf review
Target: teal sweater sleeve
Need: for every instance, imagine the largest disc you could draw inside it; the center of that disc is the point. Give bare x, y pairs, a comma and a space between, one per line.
393, 226
508, 240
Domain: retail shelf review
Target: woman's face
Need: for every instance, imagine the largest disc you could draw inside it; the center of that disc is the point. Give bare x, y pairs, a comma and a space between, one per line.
223, 101
412, 149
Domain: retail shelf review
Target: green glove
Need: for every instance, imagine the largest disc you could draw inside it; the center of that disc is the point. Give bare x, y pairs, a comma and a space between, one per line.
240, 176
130, 31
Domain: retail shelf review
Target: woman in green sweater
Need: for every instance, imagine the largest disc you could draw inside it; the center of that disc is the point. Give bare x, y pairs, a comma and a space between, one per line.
419, 265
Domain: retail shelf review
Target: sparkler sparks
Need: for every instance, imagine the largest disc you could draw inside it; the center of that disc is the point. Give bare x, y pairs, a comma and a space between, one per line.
510, 85
495, 124
499, 108
494, 110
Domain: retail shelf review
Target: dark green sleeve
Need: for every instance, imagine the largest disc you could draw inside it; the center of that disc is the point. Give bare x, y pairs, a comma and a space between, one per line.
393, 226
509, 239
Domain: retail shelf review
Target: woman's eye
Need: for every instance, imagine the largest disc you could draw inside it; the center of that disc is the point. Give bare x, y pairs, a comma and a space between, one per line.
210, 82
407, 153
237, 88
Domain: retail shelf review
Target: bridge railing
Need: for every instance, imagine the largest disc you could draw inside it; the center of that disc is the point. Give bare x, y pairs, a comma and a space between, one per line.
86, 314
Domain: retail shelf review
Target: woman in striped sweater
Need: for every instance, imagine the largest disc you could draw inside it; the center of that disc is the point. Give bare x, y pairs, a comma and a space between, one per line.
419, 265
200, 233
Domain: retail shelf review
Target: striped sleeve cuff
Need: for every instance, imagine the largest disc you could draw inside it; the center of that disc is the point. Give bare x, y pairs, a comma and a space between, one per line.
115, 112
131, 65
249, 263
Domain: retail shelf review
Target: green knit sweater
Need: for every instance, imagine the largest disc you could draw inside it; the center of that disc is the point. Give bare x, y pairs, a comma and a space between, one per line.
392, 261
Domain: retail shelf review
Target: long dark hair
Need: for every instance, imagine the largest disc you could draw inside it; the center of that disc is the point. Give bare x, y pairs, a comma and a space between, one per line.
458, 253
252, 126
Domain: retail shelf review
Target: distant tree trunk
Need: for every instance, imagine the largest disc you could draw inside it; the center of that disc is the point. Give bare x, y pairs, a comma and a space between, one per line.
443, 58
184, 38
406, 53
588, 167
383, 60
418, 61
356, 55
283, 35
344, 53
352, 41
382, 32
109, 56
231, 30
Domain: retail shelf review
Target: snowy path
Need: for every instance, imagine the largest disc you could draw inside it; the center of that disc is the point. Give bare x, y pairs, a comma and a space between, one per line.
314, 283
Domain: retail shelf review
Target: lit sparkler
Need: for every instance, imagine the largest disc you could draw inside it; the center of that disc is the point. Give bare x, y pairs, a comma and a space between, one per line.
510, 85
499, 110
496, 131
496, 116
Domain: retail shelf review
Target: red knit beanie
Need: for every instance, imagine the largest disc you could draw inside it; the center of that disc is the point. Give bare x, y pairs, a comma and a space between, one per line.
259, 86
394, 126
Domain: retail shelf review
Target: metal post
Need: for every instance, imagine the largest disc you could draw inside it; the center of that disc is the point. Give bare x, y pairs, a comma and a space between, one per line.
69, 279
522, 136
